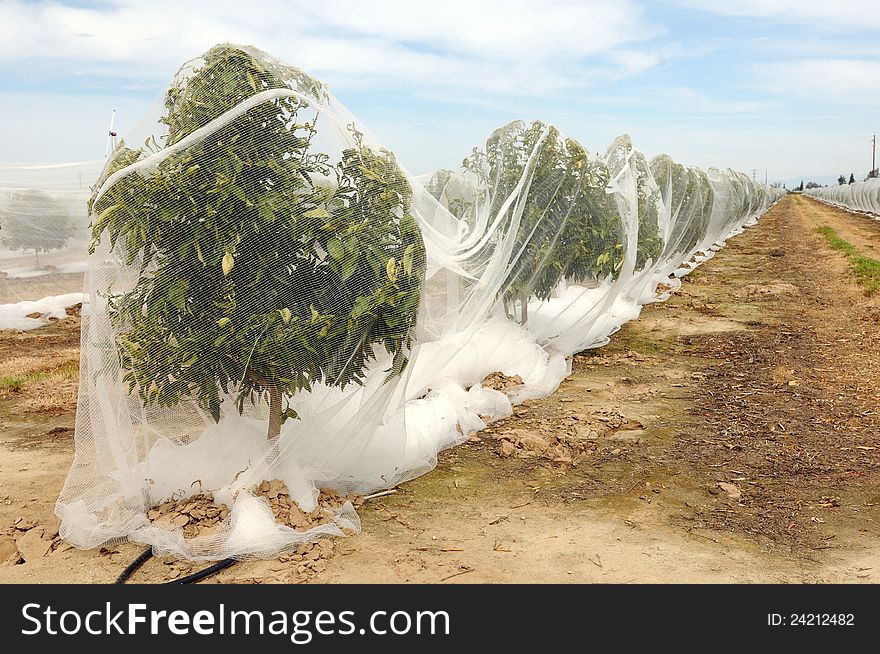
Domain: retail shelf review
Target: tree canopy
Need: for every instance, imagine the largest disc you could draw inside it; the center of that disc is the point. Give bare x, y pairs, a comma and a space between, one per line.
265, 265
569, 226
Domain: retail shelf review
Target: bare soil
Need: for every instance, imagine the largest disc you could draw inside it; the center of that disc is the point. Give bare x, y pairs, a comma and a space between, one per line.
728, 435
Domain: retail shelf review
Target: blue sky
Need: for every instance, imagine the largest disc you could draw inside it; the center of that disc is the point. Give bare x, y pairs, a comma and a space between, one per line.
789, 86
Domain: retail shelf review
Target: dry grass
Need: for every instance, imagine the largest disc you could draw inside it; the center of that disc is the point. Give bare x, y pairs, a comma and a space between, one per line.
41, 383
32, 288
26, 365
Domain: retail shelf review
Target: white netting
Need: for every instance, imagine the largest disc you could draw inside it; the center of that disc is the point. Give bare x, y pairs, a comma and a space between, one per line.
44, 230
275, 300
858, 196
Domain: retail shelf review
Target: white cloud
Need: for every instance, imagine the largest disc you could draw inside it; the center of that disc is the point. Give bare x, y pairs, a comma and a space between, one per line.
512, 46
860, 14
841, 81
690, 101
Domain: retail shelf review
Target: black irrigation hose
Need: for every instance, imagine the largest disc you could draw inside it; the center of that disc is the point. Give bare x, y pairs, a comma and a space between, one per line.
134, 565
189, 579
201, 574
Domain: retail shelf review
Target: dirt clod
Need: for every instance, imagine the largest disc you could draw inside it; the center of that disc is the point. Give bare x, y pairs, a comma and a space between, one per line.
9, 554
501, 382
31, 545
198, 515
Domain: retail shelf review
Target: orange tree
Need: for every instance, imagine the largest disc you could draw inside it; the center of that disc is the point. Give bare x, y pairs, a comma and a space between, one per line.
568, 227
264, 265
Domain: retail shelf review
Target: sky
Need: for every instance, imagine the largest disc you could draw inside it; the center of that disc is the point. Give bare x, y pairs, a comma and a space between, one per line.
786, 87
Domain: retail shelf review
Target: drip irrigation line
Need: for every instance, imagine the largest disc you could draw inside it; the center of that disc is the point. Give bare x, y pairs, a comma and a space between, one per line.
201, 574
134, 565
144, 556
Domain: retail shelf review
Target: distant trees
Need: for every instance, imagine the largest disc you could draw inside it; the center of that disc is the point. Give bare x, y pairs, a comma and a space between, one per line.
852, 178
33, 220
841, 180
810, 185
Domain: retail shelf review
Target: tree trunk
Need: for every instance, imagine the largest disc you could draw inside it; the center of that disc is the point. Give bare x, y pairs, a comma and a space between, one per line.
524, 309
275, 398
274, 412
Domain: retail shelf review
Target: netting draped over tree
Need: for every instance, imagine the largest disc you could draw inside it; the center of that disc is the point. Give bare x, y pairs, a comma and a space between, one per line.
276, 302
858, 196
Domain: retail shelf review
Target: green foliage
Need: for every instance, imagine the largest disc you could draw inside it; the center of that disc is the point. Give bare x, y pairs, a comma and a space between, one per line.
11, 383
569, 226
688, 194
650, 241
454, 192
263, 265
865, 269
33, 220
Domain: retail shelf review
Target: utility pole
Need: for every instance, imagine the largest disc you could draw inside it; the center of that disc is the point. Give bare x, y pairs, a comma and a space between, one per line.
765, 177
754, 174
874, 153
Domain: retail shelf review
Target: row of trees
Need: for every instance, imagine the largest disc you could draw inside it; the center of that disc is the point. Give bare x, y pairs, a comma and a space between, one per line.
841, 181
264, 264
566, 225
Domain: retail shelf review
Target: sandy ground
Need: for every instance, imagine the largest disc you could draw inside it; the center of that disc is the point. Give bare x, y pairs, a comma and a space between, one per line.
728, 435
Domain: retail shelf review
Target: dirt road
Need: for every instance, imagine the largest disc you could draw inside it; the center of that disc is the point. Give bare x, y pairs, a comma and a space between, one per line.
730, 434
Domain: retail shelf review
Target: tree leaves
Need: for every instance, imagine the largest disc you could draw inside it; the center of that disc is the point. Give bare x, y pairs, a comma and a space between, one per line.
568, 226
269, 266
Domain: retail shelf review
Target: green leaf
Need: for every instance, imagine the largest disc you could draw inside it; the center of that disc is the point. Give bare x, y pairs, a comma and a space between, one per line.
103, 216
317, 212
177, 294
391, 269
335, 249
199, 252
369, 174
408, 259
361, 306
228, 263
